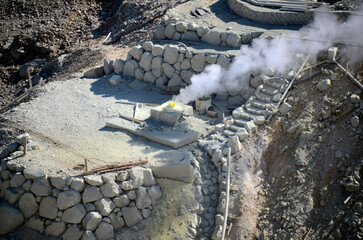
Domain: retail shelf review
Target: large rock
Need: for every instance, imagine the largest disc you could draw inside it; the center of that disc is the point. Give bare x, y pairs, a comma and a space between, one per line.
162, 81
28, 205
159, 33
73, 233
74, 214
88, 235
234, 40
150, 77
190, 36
168, 70
78, 184
68, 199
181, 26
121, 201
170, 31
149, 179
202, 30
212, 37
223, 61
94, 180
91, 194
91, 221
17, 180
110, 189
105, 231
130, 67
12, 195
10, 219
185, 64
323, 85
116, 221
155, 194
186, 75
175, 81
157, 50
211, 58
131, 215
105, 206
35, 223
143, 200
285, 108
171, 54
136, 52
33, 173
234, 144
156, 62
55, 229
198, 62
115, 79
145, 62
118, 66
57, 182
48, 207
242, 134
107, 66
137, 176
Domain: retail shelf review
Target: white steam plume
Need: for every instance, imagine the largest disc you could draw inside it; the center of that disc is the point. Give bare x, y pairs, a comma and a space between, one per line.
280, 54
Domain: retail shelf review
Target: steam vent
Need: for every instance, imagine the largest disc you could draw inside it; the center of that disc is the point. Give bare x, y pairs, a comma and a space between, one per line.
181, 120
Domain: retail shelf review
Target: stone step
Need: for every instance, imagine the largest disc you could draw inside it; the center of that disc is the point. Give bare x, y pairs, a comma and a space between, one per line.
235, 127
229, 133
263, 97
242, 121
263, 105
269, 90
256, 111
276, 82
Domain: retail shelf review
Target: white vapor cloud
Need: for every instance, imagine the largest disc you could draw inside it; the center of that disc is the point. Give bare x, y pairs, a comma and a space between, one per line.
280, 54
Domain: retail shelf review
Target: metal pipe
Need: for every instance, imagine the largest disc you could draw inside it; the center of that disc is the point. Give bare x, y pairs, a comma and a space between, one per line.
212, 114
227, 195
288, 88
350, 75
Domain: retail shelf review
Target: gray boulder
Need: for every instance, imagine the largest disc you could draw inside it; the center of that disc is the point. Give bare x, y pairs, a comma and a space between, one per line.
198, 62
78, 183
136, 52
145, 62
28, 205
150, 77
91, 194
108, 66
181, 26
212, 37
234, 40
162, 81
33, 173
168, 70
202, 30
130, 67
110, 189
12, 195
118, 66
137, 176
149, 179
170, 31
186, 75
185, 64
105, 206
41, 187
32, 65
159, 33
94, 180
48, 207
190, 36
88, 235
175, 81
73, 233
91, 221
323, 85
155, 194
68, 199
171, 54
10, 219
35, 223
143, 200
211, 58
131, 215
121, 201
74, 214
17, 180
57, 182
55, 229
116, 221
224, 61
105, 231
157, 50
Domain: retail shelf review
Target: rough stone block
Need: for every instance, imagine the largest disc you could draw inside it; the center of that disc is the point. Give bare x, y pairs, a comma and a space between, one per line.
115, 79
131, 215
177, 171
130, 67
198, 62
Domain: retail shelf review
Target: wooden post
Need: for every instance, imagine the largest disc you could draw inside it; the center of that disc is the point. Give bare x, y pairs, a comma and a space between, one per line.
86, 164
25, 143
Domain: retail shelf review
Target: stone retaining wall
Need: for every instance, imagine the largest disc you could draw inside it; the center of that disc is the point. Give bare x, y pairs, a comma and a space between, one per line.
174, 29
268, 15
90, 207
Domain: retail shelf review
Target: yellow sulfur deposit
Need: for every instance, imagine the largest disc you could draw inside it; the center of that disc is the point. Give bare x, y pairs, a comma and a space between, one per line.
172, 107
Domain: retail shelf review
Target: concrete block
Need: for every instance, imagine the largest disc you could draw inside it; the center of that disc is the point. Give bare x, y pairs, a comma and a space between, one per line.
181, 171
115, 79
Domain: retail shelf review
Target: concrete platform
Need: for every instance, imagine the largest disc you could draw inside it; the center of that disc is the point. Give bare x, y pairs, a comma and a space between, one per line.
165, 136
